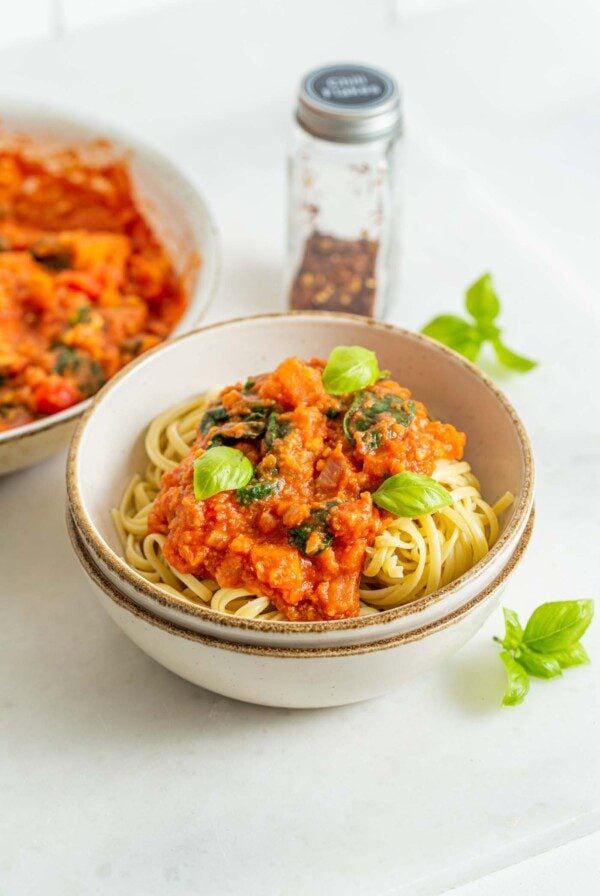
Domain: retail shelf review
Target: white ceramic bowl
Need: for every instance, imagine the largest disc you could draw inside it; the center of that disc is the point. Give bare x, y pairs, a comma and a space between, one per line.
103, 455
292, 678
170, 203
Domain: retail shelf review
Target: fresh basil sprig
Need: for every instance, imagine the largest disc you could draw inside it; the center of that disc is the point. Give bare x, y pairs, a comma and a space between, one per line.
411, 495
349, 368
548, 644
467, 337
220, 469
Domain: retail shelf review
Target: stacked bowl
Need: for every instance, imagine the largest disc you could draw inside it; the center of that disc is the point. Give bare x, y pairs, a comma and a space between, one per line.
292, 664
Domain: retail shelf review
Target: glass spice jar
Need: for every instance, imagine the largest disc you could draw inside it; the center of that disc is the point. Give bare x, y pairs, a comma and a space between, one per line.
342, 252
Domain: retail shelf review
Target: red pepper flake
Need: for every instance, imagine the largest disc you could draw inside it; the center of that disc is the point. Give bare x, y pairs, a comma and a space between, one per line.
336, 275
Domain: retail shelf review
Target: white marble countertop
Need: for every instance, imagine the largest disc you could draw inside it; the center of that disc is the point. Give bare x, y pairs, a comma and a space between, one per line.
119, 778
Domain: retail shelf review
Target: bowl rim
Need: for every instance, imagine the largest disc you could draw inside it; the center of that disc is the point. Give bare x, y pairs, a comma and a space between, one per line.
417, 634
122, 570
209, 277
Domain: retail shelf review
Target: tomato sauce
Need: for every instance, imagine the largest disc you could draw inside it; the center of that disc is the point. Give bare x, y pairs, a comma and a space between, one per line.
299, 531
85, 286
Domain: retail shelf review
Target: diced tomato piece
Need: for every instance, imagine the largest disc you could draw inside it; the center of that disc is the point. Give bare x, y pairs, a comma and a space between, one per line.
55, 394
295, 382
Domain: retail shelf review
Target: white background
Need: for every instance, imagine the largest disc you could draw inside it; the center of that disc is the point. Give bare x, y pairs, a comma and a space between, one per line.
54, 18
118, 778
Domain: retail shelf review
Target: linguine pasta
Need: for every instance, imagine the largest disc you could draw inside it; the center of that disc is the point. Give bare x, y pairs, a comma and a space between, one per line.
410, 558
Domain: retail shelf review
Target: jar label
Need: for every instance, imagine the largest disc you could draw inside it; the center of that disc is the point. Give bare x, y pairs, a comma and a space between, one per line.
349, 85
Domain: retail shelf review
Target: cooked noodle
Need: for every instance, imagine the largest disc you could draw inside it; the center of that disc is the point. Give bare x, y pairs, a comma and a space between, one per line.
410, 558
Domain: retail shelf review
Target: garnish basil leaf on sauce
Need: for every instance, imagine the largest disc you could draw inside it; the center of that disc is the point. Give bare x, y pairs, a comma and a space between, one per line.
220, 469
411, 495
349, 368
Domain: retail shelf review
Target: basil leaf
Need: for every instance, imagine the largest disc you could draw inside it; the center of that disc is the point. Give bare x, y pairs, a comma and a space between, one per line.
481, 299
513, 629
249, 423
314, 535
411, 495
466, 337
213, 417
542, 665
468, 349
256, 491
368, 409
456, 333
220, 469
487, 329
510, 359
276, 429
299, 537
349, 368
67, 359
558, 624
354, 405
575, 655
518, 680
372, 439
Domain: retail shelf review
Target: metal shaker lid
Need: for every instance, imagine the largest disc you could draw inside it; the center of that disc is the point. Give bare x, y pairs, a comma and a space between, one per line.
349, 103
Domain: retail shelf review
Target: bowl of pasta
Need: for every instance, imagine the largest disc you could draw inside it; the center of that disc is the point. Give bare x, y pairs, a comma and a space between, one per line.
295, 677
300, 481
106, 249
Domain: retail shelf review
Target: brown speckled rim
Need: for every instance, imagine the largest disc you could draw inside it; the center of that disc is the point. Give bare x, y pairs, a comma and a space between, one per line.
37, 427
206, 282
123, 571
417, 634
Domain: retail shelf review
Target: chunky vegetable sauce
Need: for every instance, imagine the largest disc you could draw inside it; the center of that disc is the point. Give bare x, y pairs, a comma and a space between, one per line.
298, 532
85, 286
